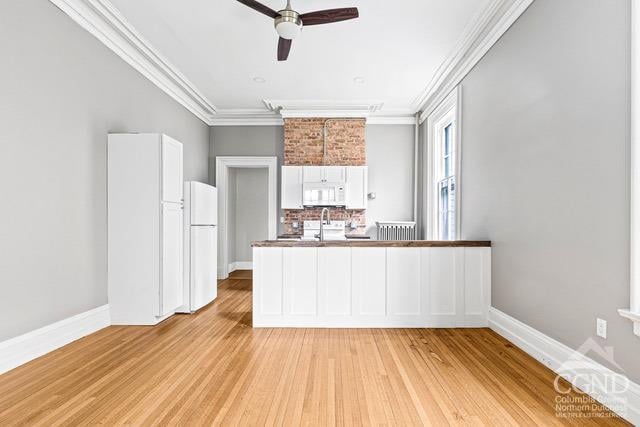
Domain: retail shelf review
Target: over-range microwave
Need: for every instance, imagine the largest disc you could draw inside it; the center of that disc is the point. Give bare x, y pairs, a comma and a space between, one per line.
324, 194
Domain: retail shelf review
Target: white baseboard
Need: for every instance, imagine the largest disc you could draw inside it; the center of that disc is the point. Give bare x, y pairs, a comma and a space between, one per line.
240, 265
24, 348
555, 355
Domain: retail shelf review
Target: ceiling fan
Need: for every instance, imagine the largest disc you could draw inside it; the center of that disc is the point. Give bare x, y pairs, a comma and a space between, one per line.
289, 23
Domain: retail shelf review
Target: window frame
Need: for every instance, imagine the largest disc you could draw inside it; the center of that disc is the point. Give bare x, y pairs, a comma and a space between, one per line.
633, 312
447, 113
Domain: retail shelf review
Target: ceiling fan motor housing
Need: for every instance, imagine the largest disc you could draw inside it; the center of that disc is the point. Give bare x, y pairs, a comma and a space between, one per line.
288, 24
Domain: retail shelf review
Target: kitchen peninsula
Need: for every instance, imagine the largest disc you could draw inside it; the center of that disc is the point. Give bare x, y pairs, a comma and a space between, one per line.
371, 284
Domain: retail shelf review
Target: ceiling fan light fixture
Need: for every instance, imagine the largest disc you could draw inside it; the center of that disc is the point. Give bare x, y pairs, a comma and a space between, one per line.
288, 24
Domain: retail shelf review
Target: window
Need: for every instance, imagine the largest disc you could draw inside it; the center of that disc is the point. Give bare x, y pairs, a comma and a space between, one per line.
442, 181
633, 312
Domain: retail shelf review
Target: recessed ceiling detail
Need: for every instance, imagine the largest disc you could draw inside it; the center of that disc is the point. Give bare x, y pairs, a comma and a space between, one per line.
195, 53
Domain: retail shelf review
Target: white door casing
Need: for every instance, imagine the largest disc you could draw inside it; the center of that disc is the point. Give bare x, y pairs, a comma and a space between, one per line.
222, 178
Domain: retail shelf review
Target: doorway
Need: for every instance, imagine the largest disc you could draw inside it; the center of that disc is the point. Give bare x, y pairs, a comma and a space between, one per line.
247, 188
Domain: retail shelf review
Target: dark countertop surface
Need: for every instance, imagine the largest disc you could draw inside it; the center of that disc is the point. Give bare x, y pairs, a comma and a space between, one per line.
371, 243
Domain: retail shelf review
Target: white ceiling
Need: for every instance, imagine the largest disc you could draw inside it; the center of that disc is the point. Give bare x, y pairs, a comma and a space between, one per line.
221, 45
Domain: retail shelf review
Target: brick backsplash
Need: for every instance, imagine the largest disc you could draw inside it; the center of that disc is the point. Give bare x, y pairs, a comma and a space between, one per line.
345, 146
313, 214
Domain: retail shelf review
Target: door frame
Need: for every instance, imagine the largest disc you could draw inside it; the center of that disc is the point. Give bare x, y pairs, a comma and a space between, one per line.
222, 181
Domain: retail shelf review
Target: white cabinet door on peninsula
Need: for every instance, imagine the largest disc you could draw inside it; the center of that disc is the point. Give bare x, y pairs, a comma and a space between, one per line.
300, 281
369, 282
371, 287
334, 281
291, 187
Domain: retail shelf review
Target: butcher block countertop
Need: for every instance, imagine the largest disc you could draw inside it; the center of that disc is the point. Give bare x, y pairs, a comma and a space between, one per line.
370, 244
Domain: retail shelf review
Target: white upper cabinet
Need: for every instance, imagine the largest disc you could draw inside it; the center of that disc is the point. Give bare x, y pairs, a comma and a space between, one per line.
324, 174
172, 173
291, 187
357, 183
334, 173
313, 174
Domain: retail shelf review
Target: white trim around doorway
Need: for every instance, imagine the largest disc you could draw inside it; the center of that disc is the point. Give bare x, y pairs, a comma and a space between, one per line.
222, 178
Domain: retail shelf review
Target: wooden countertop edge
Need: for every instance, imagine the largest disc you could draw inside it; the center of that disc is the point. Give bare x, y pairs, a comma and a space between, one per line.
372, 244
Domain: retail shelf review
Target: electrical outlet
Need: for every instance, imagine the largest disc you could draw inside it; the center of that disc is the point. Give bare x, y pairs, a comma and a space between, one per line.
601, 328
281, 220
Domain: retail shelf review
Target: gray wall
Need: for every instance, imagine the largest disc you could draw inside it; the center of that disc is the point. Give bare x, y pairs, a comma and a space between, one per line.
389, 156
247, 141
545, 170
62, 91
251, 210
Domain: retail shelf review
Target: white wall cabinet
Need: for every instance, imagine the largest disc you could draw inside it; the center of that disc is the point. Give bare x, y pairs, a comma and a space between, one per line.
324, 174
291, 194
334, 173
313, 174
357, 185
145, 228
372, 287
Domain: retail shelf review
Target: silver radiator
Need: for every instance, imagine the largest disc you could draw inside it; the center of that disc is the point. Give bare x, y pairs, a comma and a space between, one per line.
396, 230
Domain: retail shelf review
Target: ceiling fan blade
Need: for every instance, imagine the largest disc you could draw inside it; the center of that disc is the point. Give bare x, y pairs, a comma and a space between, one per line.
284, 46
328, 16
260, 8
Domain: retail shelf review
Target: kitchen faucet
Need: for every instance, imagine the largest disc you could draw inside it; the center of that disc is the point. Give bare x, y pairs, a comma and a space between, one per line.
321, 235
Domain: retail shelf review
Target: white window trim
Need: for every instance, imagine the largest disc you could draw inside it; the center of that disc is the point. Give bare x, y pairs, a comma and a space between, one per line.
450, 106
633, 313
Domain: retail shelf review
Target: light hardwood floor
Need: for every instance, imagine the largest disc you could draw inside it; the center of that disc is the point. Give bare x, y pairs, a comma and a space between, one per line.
213, 368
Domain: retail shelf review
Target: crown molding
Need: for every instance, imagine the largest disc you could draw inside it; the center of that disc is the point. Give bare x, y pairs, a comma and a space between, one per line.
239, 117
322, 108
106, 23
384, 118
484, 32
247, 117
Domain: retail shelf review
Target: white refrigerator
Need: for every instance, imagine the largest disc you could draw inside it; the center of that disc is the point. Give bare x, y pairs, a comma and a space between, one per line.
200, 246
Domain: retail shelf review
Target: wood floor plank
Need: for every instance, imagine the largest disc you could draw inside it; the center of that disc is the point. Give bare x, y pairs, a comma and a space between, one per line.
213, 368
